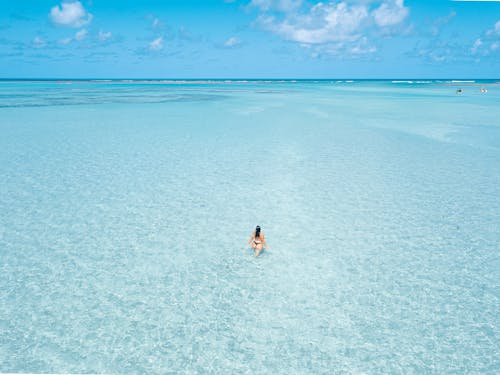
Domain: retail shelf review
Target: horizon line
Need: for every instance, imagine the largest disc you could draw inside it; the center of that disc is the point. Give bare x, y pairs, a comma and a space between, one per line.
235, 78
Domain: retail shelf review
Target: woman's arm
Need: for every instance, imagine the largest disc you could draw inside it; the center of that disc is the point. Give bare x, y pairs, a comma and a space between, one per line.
251, 238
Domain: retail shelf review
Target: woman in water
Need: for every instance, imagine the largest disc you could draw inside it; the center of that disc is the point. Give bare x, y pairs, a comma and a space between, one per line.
257, 241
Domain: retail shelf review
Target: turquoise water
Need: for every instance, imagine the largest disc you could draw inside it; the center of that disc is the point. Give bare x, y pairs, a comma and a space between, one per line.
125, 208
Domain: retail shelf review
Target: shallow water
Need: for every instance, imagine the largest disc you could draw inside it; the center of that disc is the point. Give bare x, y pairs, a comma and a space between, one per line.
125, 209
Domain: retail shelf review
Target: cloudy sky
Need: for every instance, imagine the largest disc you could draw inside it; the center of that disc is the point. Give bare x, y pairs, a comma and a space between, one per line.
249, 39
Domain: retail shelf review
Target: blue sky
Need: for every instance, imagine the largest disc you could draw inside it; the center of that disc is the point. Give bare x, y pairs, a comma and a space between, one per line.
249, 39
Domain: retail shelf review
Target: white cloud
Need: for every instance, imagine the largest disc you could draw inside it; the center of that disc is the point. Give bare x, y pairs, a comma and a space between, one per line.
488, 43
362, 47
157, 44
232, 42
438, 58
103, 36
65, 41
495, 30
333, 26
70, 14
431, 53
324, 23
278, 5
156, 23
438, 23
357, 49
80, 35
38, 42
478, 43
390, 13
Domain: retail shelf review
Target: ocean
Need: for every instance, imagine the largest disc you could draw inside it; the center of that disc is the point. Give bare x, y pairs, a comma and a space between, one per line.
126, 206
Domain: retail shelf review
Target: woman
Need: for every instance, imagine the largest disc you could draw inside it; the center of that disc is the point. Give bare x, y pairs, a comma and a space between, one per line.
258, 241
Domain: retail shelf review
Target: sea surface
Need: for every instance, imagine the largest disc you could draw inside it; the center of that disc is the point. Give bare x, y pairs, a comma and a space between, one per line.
126, 206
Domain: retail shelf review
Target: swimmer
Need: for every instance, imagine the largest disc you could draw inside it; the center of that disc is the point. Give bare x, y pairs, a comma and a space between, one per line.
460, 91
257, 241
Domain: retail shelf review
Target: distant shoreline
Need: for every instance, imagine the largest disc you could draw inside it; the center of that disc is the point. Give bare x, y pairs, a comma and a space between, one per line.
180, 81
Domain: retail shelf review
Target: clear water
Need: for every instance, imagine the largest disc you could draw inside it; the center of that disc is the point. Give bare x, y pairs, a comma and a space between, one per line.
125, 208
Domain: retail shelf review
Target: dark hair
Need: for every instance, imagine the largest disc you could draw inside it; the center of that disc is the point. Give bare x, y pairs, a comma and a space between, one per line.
257, 231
